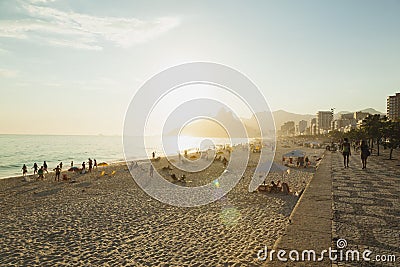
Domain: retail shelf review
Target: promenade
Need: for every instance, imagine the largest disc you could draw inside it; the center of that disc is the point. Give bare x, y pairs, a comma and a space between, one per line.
361, 208
366, 206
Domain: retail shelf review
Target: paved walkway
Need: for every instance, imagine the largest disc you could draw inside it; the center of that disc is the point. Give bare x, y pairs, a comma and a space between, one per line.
366, 207
361, 208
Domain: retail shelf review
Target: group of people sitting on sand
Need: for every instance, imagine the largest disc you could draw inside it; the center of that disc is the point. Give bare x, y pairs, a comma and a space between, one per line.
276, 188
182, 179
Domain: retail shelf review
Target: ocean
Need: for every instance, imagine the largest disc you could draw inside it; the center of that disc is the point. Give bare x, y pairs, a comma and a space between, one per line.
16, 150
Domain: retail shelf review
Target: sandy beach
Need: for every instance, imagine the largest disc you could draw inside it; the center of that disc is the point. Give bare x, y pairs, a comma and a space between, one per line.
108, 220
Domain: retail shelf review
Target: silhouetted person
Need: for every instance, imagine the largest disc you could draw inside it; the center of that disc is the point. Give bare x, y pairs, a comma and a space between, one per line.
45, 166
41, 173
90, 165
35, 168
364, 153
151, 170
58, 172
83, 166
346, 152
95, 163
154, 154
24, 170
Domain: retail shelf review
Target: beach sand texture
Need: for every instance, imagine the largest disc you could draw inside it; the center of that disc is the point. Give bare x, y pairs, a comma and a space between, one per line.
108, 220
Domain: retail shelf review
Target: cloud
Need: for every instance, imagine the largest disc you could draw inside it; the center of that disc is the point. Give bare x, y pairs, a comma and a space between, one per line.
81, 31
8, 73
41, 1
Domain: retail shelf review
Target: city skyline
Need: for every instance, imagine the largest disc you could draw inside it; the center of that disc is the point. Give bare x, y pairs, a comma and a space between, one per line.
70, 67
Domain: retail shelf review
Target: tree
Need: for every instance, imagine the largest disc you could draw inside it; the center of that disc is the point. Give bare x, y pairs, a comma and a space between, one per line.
391, 132
373, 127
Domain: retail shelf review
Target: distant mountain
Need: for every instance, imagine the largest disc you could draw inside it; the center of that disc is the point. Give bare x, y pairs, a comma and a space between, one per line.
372, 111
202, 128
368, 110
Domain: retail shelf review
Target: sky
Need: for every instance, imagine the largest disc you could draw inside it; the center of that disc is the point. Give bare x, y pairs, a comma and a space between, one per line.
72, 67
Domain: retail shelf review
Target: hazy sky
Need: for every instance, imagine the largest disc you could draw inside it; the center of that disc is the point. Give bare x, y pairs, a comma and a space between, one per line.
72, 66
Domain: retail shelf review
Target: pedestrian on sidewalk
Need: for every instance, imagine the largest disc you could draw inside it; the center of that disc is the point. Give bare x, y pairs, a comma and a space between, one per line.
151, 170
364, 153
346, 152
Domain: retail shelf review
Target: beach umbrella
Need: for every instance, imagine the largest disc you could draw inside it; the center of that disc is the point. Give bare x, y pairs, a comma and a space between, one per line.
102, 164
73, 169
264, 168
295, 154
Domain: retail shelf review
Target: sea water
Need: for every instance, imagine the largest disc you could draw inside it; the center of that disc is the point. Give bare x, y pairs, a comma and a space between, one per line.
16, 150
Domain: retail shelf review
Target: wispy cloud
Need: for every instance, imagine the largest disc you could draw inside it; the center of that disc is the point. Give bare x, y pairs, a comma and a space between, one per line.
82, 31
6, 73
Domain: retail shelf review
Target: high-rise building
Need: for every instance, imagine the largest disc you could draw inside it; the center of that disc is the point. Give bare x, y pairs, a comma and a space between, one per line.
393, 107
313, 126
359, 115
324, 119
302, 126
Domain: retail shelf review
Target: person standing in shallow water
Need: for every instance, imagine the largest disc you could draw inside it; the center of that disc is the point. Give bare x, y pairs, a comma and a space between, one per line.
364, 153
346, 152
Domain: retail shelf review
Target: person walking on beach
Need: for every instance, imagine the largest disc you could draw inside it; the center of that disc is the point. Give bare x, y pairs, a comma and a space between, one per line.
346, 152
41, 173
45, 166
72, 163
83, 166
364, 153
35, 168
151, 170
154, 154
58, 172
90, 164
24, 170
95, 163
